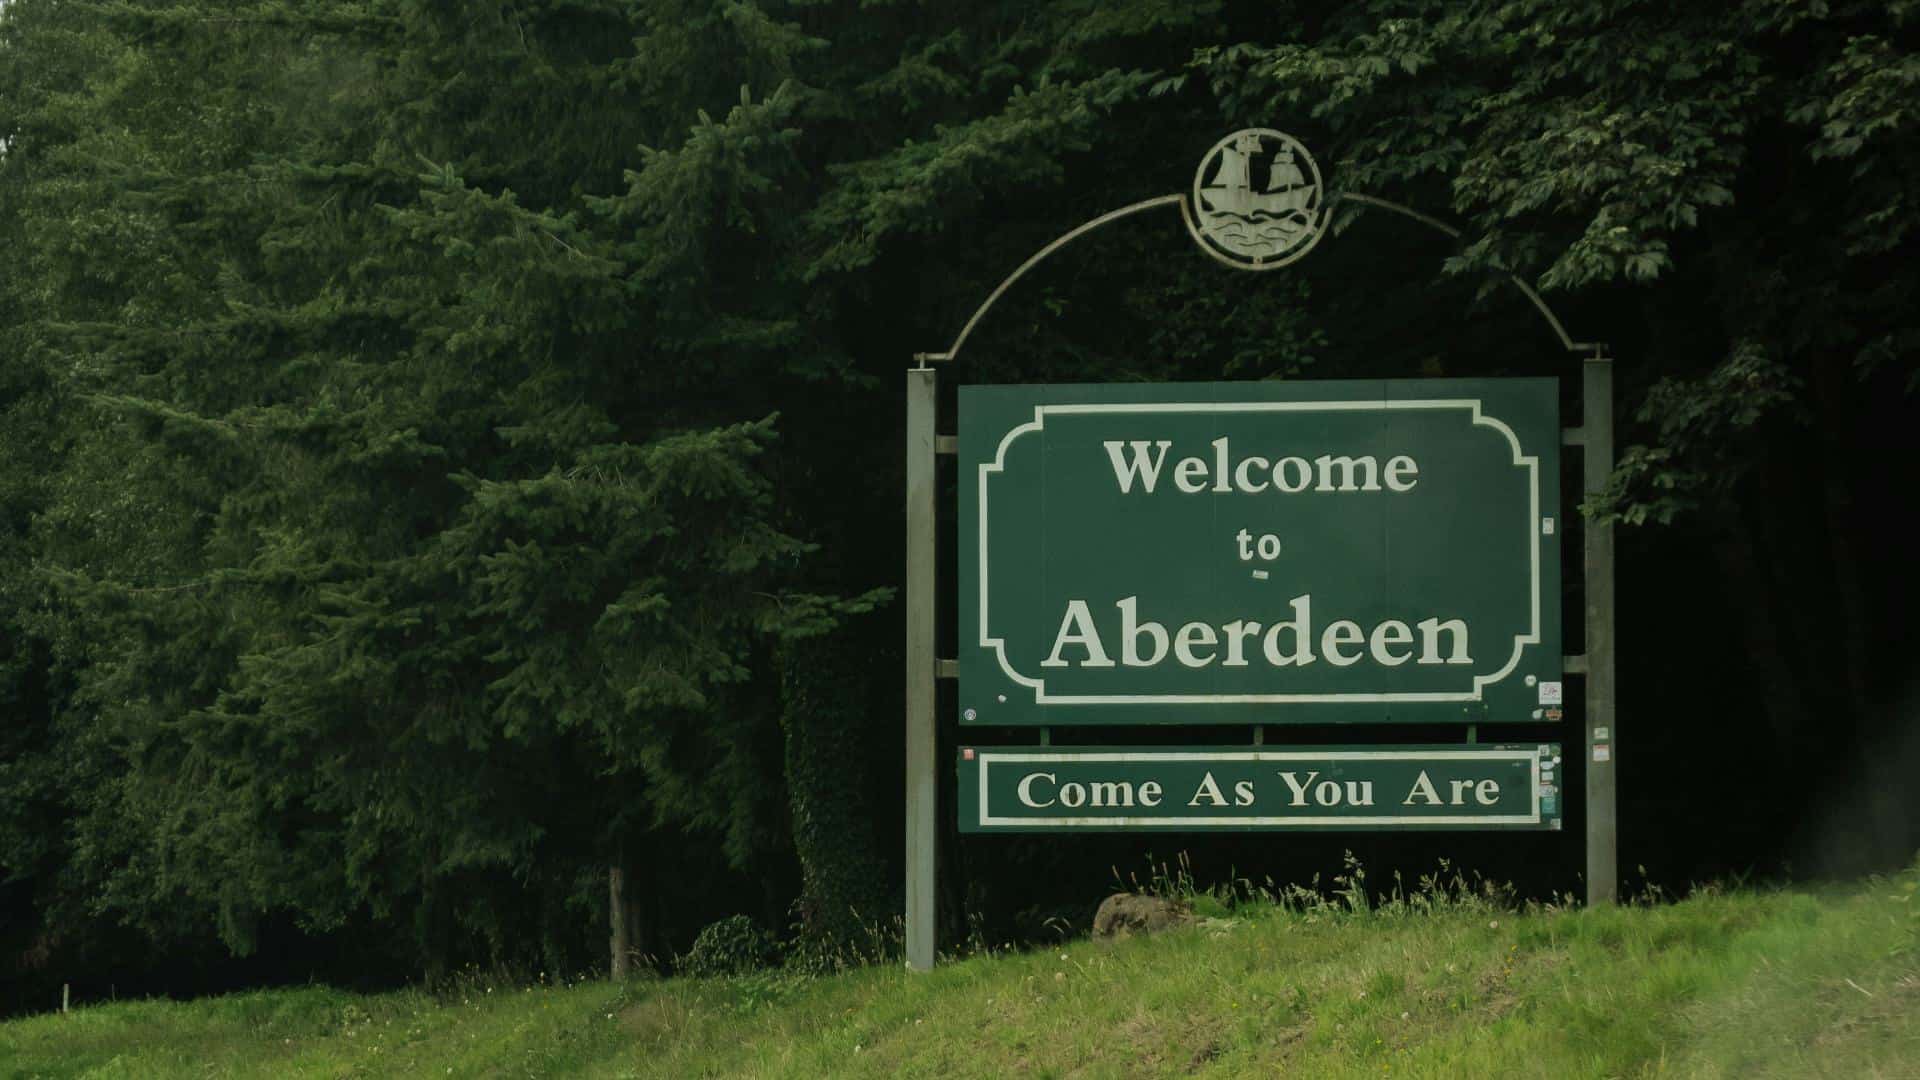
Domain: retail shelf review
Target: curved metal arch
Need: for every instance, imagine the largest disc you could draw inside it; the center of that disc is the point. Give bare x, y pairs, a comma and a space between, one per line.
953, 351
1539, 303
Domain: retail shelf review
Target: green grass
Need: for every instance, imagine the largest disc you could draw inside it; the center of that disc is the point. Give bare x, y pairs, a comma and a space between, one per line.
1723, 984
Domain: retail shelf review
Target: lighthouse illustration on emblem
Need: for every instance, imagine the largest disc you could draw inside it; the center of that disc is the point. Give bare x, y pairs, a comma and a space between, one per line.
1257, 201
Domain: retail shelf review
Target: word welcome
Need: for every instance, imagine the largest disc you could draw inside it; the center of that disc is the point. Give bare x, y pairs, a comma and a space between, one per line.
1140, 462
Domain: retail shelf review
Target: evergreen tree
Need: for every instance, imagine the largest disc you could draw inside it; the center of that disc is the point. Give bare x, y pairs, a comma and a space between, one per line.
443, 443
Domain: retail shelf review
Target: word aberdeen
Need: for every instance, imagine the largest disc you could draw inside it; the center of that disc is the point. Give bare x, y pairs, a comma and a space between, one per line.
1287, 643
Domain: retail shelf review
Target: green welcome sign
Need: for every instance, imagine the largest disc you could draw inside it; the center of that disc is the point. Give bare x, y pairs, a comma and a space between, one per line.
1047, 789
1267, 553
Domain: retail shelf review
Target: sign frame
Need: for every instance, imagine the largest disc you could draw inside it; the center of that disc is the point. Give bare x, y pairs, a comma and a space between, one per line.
1005, 430
978, 793
1595, 665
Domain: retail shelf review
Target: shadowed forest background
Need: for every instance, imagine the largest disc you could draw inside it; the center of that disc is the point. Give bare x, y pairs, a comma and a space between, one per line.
450, 452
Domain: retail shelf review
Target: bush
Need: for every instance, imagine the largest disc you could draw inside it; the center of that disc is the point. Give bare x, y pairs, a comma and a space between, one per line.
732, 946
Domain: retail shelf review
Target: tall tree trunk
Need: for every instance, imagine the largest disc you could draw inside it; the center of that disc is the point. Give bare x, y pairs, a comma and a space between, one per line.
844, 892
627, 938
432, 932
617, 920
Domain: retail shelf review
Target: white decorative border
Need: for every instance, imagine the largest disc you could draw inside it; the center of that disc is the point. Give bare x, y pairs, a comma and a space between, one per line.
987, 757
1480, 682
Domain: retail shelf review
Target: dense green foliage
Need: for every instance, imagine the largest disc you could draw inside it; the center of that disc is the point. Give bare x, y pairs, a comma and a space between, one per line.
733, 946
1584, 144
845, 905
445, 450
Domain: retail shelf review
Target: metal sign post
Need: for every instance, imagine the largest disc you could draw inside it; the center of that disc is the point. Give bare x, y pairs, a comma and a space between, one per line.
922, 794
1603, 871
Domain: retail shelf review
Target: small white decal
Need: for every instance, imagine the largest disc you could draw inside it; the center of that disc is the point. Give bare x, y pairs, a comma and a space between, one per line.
1549, 693
1603, 753
1546, 526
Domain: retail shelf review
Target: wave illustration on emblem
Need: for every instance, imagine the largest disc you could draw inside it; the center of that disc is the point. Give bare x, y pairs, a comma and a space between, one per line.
1254, 204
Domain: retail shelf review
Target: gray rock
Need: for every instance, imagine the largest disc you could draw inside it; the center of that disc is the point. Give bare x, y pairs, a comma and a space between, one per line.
1123, 914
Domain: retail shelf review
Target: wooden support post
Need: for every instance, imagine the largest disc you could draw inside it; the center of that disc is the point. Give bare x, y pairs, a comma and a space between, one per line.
922, 787
1603, 858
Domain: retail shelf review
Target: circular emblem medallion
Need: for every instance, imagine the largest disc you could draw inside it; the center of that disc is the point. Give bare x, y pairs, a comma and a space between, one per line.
1257, 200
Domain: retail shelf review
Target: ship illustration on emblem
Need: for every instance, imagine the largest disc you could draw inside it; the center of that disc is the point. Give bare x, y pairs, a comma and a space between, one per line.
1257, 200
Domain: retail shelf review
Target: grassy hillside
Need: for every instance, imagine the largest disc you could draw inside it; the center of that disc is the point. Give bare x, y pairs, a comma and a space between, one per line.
1723, 984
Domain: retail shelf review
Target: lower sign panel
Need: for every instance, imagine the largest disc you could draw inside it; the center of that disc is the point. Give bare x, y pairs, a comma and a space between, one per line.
1047, 789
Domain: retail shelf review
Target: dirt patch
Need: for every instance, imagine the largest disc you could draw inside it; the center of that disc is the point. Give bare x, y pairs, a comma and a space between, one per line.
1494, 995
1205, 1053
1141, 1031
656, 1020
1148, 1042
1884, 1006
